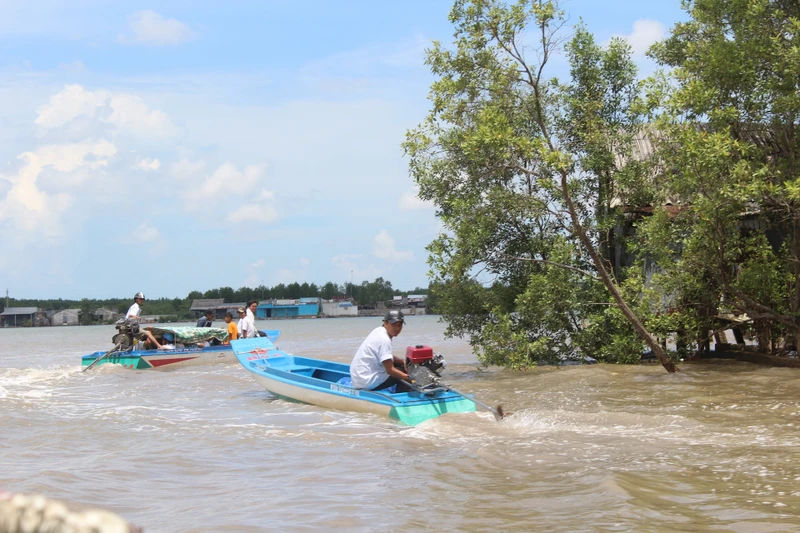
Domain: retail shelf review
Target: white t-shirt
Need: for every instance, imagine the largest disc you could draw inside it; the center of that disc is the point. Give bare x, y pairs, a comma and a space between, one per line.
367, 370
249, 324
133, 311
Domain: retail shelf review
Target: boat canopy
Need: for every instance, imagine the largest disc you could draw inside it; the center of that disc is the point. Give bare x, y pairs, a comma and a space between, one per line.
191, 334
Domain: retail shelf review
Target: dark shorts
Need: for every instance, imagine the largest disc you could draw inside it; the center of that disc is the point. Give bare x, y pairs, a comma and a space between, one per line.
401, 387
388, 383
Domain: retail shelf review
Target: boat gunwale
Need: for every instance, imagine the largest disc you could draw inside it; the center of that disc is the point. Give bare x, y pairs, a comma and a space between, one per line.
286, 362
149, 353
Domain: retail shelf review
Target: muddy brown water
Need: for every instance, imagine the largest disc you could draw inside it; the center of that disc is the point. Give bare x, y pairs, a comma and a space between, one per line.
596, 448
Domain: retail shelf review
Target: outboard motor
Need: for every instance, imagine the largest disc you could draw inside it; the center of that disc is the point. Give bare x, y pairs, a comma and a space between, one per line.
127, 329
423, 366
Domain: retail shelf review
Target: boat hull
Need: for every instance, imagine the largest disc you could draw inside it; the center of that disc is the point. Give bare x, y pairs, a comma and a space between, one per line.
316, 382
165, 359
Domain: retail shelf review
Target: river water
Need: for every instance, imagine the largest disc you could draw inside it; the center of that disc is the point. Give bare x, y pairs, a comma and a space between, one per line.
596, 448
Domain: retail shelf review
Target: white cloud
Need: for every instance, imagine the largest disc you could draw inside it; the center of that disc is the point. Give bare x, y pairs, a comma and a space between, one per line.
291, 275
226, 180
384, 248
150, 236
259, 263
130, 113
645, 33
146, 233
410, 201
349, 268
150, 28
27, 206
148, 164
262, 210
185, 170
68, 157
126, 112
346, 261
72, 102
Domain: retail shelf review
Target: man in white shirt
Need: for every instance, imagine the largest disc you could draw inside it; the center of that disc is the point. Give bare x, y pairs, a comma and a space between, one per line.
374, 367
133, 313
249, 322
136, 309
240, 325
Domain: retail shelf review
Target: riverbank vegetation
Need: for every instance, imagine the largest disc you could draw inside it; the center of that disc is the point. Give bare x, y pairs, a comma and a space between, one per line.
599, 214
175, 309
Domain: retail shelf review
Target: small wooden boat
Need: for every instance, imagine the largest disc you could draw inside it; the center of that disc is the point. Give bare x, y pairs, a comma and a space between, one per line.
324, 383
186, 350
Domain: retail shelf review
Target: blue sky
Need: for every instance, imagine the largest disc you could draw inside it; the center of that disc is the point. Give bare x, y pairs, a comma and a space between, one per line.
183, 146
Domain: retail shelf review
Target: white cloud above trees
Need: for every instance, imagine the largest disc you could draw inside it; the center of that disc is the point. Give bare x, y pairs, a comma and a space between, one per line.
124, 112
384, 247
645, 33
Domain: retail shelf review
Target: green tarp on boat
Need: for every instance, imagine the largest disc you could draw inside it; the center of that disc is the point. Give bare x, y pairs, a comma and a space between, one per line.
191, 334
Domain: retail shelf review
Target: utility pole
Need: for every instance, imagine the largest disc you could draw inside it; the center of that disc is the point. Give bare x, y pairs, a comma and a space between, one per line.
351, 283
6, 297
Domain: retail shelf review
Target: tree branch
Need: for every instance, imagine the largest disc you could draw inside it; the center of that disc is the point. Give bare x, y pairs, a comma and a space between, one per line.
551, 263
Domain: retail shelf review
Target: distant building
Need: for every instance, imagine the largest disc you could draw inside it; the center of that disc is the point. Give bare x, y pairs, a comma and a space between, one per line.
300, 308
413, 304
217, 306
219, 311
66, 317
106, 315
334, 308
417, 304
199, 307
23, 316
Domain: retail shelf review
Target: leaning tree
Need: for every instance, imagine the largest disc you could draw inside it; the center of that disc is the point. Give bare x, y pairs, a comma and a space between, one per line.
525, 171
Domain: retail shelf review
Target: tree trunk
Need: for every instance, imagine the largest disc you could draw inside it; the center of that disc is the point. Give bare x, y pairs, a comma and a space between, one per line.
649, 339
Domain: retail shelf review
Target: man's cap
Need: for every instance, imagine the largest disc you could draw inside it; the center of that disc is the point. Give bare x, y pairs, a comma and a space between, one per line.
394, 315
138, 295
240, 310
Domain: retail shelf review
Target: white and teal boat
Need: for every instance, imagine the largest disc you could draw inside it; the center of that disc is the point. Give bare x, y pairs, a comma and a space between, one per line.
326, 384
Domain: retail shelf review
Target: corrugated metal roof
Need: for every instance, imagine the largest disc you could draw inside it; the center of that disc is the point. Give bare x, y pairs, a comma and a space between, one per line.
644, 147
199, 305
20, 311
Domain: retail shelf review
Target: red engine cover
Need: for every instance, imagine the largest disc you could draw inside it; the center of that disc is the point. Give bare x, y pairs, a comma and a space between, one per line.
419, 354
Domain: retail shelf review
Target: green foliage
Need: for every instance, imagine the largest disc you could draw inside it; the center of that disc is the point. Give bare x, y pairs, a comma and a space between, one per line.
728, 119
523, 170
86, 315
177, 309
379, 290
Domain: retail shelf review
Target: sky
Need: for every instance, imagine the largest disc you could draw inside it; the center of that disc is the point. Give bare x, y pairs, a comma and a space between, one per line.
190, 145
